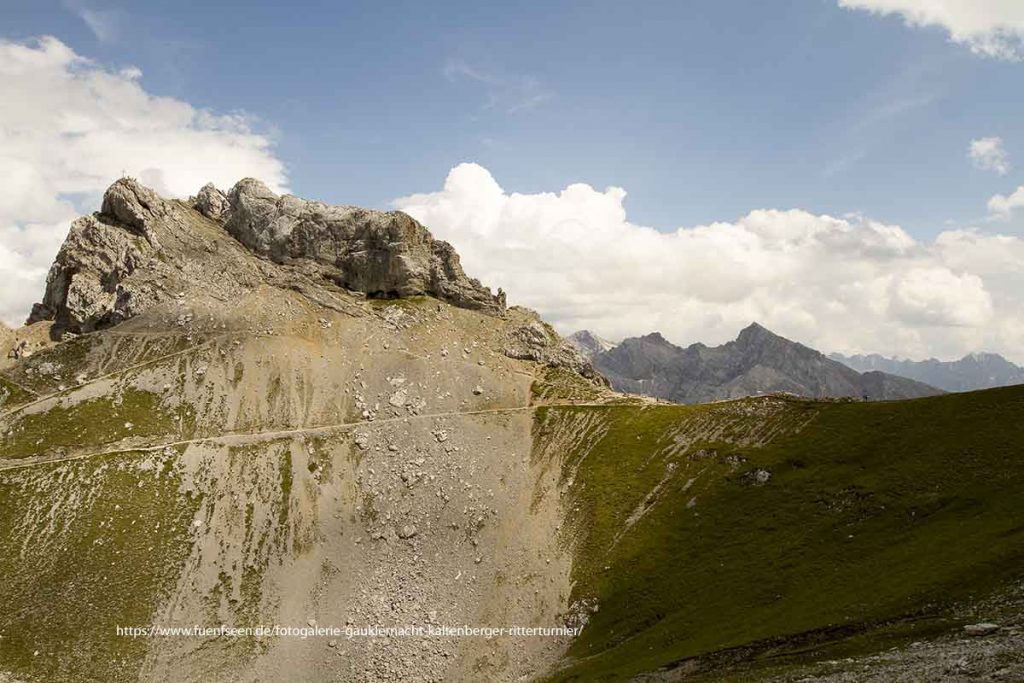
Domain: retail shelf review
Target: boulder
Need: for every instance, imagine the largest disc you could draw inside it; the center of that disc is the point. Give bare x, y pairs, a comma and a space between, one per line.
211, 202
129, 203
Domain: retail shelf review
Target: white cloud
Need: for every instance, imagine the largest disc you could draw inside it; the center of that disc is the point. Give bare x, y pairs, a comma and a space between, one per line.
105, 25
69, 127
840, 284
510, 93
988, 154
993, 28
1001, 207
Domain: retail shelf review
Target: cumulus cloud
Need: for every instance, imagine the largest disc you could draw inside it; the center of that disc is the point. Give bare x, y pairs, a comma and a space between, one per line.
846, 284
69, 127
988, 154
992, 28
1001, 206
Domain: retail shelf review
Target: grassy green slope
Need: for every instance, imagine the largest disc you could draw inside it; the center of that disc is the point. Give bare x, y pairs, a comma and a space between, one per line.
85, 547
875, 514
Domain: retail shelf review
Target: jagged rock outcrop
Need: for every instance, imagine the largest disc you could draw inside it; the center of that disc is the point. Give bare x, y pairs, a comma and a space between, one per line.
140, 250
757, 362
86, 288
381, 253
211, 202
533, 339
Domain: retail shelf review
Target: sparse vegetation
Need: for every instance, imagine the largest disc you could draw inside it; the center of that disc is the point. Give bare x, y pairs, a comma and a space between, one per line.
560, 384
91, 422
78, 561
11, 394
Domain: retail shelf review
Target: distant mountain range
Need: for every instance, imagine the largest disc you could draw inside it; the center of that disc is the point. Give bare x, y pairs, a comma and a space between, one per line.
973, 371
757, 362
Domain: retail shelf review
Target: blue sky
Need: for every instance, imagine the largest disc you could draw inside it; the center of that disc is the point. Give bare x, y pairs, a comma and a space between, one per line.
843, 171
702, 110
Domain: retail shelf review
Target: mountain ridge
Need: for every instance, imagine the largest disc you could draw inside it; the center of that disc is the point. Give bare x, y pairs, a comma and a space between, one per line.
758, 361
974, 371
135, 253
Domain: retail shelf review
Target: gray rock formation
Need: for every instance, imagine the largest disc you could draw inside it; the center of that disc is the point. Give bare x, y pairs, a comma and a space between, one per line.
973, 371
533, 339
758, 362
381, 253
86, 288
141, 250
588, 343
211, 202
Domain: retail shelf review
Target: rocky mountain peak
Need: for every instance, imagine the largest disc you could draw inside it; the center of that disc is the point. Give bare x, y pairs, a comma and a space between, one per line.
753, 334
140, 248
532, 339
588, 343
133, 205
656, 338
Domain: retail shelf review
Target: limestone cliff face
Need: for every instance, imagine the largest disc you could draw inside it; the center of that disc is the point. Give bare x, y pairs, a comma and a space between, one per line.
90, 283
381, 253
141, 250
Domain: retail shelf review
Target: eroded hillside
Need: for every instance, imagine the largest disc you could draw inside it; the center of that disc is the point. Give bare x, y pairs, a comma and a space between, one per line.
233, 436
369, 469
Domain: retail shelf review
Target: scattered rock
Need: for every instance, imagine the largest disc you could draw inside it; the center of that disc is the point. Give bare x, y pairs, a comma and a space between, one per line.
984, 629
758, 476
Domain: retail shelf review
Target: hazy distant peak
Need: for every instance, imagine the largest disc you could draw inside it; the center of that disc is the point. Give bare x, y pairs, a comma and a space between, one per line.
588, 343
978, 370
